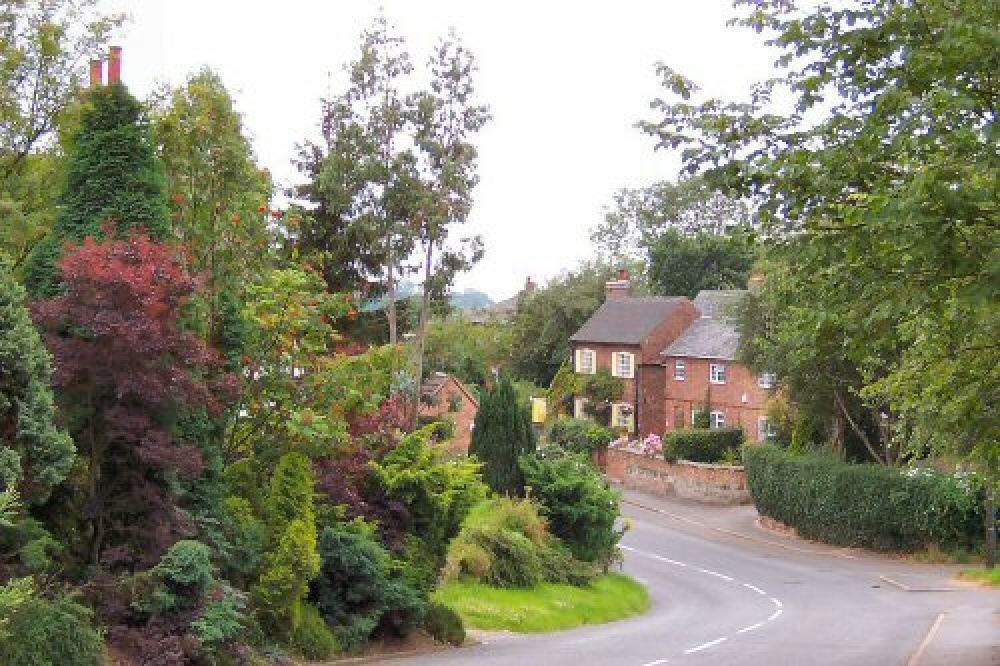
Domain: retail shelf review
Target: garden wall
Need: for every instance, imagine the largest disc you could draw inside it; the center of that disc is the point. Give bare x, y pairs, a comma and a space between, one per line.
701, 482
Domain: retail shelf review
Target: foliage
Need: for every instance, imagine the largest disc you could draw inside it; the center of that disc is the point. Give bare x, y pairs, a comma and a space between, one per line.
865, 505
113, 176
579, 436
40, 454
444, 624
547, 607
279, 596
601, 389
438, 495
989, 577
124, 366
580, 507
548, 316
640, 219
312, 637
222, 620
501, 434
892, 182
684, 264
467, 351
704, 445
44, 632
179, 581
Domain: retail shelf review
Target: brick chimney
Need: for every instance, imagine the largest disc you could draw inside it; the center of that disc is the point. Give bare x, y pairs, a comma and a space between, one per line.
115, 65
96, 73
529, 285
620, 288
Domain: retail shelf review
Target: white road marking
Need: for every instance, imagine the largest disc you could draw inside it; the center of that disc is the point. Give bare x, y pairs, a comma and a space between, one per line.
704, 646
755, 589
915, 659
774, 616
656, 663
670, 561
776, 602
714, 573
750, 628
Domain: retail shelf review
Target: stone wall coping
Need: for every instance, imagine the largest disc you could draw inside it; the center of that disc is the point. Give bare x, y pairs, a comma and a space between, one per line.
659, 458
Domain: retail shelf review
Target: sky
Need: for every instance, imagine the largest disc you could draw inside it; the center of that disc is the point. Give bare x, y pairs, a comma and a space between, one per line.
565, 82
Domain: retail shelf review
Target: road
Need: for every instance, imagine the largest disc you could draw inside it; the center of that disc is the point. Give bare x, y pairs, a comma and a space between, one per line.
727, 592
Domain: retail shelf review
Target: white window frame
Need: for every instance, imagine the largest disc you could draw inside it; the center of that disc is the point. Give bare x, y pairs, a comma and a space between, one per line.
617, 369
586, 368
767, 380
765, 429
619, 420
717, 420
680, 371
579, 408
717, 373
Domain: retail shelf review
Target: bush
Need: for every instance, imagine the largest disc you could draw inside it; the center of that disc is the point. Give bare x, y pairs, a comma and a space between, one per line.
404, 607
43, 632
871, 506
444, 624
514, 560
703, 445
579, 436
580, 507
312, 638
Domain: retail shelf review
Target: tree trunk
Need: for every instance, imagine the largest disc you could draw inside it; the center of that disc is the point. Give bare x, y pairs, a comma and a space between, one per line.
425, 307
391, 309
859, 431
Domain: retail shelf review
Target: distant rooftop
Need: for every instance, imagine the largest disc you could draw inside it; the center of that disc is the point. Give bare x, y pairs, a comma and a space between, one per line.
626, 320
720, 303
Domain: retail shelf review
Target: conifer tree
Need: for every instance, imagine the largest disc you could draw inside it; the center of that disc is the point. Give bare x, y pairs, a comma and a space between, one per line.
34, 452
112, 175
502, 434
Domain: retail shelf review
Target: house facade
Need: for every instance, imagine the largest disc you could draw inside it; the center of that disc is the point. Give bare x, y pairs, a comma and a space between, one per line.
444, 397
673, 355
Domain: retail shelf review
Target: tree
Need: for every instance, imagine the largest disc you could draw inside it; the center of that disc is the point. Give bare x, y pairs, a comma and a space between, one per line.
218, 194
683, 265
502, 433
112, 175
466, 350
445, 118
35, 453
889, 156
546, 318
124, 367
638, 218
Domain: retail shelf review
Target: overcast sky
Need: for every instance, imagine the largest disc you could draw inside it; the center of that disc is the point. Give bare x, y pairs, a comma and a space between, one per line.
565, 81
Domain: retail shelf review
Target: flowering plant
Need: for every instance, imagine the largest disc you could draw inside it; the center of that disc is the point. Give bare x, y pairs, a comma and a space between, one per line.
651, 445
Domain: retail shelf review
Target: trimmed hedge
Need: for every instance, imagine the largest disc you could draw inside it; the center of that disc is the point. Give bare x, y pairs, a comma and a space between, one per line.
871, 506
702, 445
580, 435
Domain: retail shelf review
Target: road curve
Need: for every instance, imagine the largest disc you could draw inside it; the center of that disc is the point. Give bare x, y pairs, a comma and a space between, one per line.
723, 599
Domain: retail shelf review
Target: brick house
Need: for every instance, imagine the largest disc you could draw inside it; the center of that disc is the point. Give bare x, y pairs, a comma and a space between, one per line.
669, 352
444, 397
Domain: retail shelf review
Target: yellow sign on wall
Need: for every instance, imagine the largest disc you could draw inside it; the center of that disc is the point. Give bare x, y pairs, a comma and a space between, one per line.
538, 410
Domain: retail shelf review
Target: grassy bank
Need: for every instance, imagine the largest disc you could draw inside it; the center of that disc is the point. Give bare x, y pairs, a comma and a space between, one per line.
986, 576
545, 607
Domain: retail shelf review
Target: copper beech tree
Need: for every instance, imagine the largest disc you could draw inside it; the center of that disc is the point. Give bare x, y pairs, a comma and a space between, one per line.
125, 367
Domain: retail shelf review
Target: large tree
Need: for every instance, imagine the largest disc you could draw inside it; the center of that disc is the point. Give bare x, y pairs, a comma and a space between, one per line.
683, 264
887, 153
502, 434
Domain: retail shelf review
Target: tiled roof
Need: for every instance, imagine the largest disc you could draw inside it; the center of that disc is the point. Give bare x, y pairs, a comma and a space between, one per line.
706, 338
626, 320
719, 302
434, 384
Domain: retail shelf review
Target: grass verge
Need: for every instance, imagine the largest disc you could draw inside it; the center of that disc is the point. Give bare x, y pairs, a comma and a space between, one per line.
989, 577
545, 607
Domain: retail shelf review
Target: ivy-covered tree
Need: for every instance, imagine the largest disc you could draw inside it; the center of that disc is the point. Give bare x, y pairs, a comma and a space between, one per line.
501, 435
35, 453
112, 175
124, 368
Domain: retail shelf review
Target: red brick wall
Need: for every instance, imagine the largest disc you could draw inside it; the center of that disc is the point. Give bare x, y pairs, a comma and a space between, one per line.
669, 330
689, 394
652, 402
711, 484
464, 417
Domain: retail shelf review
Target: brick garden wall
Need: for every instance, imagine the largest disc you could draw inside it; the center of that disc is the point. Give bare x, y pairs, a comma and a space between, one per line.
712, 484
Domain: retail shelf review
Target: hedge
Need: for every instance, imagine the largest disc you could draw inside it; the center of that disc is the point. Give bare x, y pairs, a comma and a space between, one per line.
580, 435
871, 506
701, 444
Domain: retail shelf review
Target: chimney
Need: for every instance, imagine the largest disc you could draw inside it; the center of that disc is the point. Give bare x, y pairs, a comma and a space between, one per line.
96, 73
115, 65
620, 288
529, 285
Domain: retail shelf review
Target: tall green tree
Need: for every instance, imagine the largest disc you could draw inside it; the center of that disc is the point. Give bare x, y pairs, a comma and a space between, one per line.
35, 453
113, 175
888, 154
683, 264
502, 434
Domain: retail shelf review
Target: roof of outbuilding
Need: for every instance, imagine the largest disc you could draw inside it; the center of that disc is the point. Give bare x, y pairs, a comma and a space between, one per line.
626, 320
706, 338
719, 302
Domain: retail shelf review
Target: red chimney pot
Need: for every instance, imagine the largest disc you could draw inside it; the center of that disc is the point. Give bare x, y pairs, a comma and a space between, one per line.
96, 73
115, 65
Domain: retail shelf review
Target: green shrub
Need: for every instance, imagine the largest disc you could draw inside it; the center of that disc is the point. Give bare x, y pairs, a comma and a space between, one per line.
514, 560
43, 632
404, 607
704, 445
579, 435
580, 507
444, 624
559, 566
871, 506
312, 637
221, 621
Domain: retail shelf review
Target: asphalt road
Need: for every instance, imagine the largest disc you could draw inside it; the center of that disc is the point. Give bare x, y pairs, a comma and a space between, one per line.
719, 598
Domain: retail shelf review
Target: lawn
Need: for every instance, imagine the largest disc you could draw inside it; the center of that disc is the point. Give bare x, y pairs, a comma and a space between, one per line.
986, 576
546, 607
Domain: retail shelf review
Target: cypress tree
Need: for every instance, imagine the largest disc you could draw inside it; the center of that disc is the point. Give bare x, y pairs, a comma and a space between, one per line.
113, 175
502, 434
